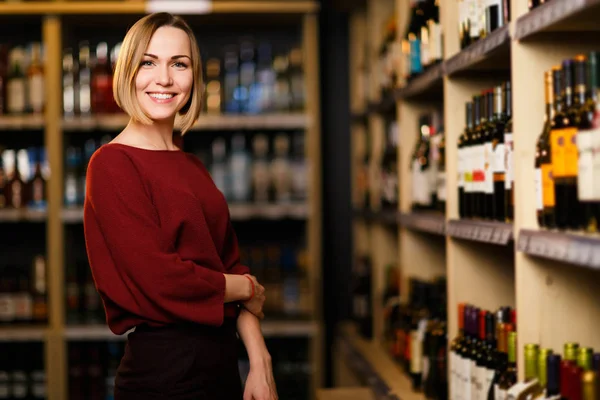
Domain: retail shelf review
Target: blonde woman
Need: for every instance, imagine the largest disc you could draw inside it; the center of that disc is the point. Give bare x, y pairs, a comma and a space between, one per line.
159, 239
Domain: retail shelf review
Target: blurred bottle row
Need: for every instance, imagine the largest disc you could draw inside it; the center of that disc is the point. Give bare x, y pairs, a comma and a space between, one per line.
377, 172
23, 294
22, 79
92, 367
23, 177
22, 371
283, 271
428, 164
248, 77
416, 334
260, 168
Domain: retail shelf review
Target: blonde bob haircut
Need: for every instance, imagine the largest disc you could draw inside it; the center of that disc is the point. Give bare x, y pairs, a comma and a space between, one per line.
130, 57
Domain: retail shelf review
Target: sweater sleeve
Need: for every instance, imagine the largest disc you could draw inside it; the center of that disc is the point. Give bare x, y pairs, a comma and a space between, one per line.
137, 268
231, 253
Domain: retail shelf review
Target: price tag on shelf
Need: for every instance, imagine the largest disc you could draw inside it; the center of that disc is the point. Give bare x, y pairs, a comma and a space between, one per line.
578, 252
196, 7
595, 256
506, 234
523, 242
537, 246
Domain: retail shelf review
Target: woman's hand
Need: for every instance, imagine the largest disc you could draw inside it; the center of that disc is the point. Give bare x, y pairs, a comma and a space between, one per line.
255, 304
260, 384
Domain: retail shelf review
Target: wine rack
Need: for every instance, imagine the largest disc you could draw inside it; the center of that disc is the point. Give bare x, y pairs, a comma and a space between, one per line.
548, 275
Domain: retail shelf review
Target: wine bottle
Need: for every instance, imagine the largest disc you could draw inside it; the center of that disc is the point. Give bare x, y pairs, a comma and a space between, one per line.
488, 172
509, 180
584, 358
563, 133
544, 185
480, 370
465, 363
553, 377
478, 158
467, 148
589, 382
530, 388
589, 126
509, 376
455, 361
500, 355
499, 170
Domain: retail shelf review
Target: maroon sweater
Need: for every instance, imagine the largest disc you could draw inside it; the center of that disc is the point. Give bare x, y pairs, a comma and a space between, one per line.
158, 238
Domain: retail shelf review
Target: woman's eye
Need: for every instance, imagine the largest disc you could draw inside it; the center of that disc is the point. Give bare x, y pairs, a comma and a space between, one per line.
146, 63
180, 64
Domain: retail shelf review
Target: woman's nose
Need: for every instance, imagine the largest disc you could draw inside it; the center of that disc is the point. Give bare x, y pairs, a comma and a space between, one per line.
163, 76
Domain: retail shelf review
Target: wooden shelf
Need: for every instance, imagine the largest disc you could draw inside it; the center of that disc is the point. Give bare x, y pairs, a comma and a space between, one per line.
492, 232
384, 376
559, 16
424, 222
567, 248
148, 6
386, 106
21, 122
348, 393
238, 212
25, 333
269, 328
491, 53
22, 215
428, 85
385, 217
205, 122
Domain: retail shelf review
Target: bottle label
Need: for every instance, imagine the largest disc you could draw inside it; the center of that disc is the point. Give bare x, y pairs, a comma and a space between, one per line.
474, 380
585, 178
539, 200
596, 162
466, 388
16, 95
571, 152
415, 57
4, 385
487, 382
468, 168
23, 306
460, 169
416, 353
508, 161
488, 169
549, 199
499, 394
441, 185
498, 159
36, 92
7, 308
558, 139
478, 174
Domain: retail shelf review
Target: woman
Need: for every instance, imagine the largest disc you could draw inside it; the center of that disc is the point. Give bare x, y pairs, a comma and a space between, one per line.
159, 239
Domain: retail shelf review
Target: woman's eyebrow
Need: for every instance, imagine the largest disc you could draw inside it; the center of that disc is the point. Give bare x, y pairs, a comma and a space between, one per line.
172, 58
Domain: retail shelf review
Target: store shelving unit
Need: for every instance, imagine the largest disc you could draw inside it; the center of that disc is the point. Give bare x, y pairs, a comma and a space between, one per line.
53, 16
551, 277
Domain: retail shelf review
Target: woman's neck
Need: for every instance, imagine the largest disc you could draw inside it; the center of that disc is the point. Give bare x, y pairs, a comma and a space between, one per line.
157, 136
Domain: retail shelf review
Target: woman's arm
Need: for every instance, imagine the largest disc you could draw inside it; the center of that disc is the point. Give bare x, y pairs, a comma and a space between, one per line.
260, 384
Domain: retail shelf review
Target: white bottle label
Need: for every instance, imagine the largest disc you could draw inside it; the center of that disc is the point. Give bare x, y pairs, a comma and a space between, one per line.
441, 185
468, 169
498, 162
585, 179
7, 308
508, 160
16, 95
539, 199
467, 380
416, 353
480, 166
499, 394
452, 375
36, 92
488, 169
460, 169
487, 382
458, 383
474, 380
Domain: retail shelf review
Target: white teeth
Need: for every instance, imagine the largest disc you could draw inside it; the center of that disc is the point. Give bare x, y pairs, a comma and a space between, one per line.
161, 96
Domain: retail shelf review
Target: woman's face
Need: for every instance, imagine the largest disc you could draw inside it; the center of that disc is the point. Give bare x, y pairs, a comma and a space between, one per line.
164, 80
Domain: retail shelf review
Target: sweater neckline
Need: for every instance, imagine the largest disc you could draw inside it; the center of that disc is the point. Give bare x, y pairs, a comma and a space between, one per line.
142, 149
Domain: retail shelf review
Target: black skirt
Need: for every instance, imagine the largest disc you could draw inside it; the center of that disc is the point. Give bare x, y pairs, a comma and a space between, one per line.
180, 362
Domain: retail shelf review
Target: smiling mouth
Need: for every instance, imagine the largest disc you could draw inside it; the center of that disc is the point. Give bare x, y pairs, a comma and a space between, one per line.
162, 96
